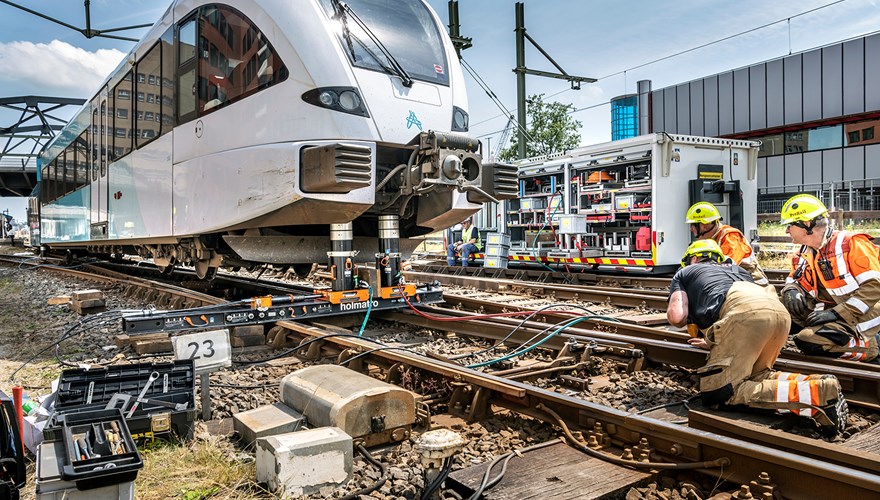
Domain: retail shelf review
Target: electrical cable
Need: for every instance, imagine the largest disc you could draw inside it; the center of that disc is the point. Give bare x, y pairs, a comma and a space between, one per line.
785, 19
383, 475
369, 309
683, 402
522, 351
69, 332
521, 323
487, 484
712, 464
435, 484
304, 344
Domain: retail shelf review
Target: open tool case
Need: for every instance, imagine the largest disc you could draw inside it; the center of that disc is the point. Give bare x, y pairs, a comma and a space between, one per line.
170, 406
99, 450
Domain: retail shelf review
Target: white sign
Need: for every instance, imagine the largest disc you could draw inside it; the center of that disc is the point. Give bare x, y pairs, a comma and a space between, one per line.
209, 351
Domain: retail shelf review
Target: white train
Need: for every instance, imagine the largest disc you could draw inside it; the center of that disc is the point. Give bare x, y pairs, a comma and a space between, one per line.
238, 132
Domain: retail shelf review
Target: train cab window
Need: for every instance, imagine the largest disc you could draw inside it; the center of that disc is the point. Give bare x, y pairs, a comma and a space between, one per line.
119, 131
238, 59
146, 127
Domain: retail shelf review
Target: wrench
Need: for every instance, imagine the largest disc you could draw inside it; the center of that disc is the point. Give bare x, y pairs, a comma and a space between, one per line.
142, 396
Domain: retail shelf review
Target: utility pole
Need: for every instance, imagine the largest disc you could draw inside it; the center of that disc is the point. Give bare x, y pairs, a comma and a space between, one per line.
459, 42
521, 70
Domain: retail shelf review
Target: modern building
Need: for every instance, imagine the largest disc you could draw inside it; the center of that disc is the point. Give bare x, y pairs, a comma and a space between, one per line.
817, 114
624, 117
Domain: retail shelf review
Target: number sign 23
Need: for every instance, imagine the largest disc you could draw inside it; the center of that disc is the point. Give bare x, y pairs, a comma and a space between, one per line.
209, 351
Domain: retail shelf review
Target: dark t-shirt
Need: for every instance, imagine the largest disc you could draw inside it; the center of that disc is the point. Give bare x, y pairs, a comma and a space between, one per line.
706, 285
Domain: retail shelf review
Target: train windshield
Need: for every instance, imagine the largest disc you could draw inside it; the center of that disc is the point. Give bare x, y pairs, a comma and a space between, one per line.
404, 27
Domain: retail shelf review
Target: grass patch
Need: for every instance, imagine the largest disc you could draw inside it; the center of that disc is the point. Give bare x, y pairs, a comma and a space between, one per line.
198, 470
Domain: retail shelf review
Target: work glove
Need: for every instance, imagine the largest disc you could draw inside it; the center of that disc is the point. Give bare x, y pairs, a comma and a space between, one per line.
822, 317
793, 300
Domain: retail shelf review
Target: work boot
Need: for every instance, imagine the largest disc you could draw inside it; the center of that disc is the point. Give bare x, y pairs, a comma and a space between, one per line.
832, 417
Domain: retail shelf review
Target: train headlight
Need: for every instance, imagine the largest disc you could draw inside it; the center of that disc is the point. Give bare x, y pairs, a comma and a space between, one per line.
327, 98
459, 120
345, 99
349, 100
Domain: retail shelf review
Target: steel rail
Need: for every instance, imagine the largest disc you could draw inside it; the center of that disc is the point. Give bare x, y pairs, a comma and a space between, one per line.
794, 476
860, 381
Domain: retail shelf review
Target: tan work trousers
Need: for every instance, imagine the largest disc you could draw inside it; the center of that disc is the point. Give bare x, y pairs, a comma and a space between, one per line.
744, 344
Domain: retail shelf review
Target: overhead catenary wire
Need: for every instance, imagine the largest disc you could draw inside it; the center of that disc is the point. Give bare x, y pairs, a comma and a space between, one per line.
786, 19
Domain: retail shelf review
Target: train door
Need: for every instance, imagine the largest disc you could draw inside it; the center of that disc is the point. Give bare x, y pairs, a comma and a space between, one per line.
101, 134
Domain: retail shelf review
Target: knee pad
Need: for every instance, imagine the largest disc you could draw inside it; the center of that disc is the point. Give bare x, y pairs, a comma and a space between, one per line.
718, 396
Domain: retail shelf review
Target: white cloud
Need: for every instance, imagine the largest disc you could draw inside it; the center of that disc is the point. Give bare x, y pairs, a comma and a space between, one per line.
56, 68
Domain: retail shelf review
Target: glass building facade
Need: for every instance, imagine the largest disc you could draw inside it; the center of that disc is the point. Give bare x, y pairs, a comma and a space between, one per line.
624, 117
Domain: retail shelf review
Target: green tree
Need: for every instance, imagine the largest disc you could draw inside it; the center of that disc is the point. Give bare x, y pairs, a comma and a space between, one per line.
551, 129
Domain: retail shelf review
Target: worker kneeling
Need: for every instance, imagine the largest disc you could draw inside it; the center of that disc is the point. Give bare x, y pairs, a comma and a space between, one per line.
839, 270
745, 329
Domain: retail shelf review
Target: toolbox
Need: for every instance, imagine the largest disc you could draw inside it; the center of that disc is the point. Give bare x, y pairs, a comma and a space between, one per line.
167, 390
99, 478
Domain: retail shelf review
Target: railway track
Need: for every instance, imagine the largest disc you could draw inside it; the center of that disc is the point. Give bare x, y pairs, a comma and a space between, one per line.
815, 467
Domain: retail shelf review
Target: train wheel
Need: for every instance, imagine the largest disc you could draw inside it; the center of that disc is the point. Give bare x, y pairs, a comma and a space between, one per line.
303, 270
204, 270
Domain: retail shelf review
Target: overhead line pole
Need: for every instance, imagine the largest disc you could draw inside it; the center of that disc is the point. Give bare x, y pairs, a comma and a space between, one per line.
521, 71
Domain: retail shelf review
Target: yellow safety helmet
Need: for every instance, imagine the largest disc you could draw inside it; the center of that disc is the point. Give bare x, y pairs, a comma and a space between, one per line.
702, 248
802, 208
702, 213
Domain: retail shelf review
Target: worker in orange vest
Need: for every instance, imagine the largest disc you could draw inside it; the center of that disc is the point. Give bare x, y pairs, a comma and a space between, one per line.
839, 271
705, 221
745, 328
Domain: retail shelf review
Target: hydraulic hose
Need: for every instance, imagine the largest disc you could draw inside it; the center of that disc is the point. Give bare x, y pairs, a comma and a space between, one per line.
711, 464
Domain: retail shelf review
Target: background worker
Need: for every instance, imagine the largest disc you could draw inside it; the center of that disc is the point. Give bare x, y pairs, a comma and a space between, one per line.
839, 269
705, 221
745, 328
468, 244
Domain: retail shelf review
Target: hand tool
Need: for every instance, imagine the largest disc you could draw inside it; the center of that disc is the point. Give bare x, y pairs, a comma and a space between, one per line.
143, 394
125, 399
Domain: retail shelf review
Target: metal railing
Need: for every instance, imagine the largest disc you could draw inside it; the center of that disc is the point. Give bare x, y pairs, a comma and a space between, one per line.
856, 195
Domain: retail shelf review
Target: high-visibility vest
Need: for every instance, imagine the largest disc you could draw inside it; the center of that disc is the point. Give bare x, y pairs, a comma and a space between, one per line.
850, 260
734, 245
471, 233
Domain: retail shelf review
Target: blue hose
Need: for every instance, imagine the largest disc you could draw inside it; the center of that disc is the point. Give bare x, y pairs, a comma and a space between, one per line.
369, 308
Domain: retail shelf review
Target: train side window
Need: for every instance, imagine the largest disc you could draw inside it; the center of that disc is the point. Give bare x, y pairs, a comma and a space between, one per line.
44, 183
186, 74
167, 81
237, 60
119, 131
151, 66
58, 167
93, 158
82, 160
104, 137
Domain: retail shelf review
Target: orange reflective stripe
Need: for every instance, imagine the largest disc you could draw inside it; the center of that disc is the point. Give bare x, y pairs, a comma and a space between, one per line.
814, 392
793, 393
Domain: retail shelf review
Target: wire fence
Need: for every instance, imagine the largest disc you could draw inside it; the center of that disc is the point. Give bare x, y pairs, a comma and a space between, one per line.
856, 195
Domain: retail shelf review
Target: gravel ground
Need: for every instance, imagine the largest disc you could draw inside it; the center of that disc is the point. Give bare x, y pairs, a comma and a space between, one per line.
27, 325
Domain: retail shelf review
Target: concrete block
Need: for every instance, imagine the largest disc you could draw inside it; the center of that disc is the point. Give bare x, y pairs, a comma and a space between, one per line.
265, 421
87, 295
301, 463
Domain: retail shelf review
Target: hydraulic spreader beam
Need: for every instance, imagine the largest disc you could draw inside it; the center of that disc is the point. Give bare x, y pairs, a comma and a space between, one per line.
270, 309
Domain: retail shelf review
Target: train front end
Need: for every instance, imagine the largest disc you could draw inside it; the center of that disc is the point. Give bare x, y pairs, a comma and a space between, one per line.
385, 128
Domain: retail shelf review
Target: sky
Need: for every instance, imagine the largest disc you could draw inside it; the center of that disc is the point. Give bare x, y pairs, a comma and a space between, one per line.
612, 40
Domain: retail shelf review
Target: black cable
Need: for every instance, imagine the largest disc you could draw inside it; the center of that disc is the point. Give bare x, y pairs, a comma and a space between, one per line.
68, 333
384, 348
486, 483
304, 344
435, 484
518, 326
383, 475
683, 402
